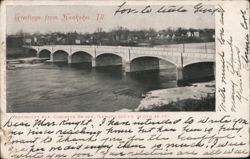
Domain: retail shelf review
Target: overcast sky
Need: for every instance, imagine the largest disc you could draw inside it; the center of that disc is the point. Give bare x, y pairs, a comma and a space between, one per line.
131, 21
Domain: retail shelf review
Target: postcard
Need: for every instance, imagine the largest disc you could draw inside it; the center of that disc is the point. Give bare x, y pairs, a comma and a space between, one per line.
124, 79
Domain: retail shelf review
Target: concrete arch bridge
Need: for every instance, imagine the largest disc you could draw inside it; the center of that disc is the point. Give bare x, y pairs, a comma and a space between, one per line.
132, 58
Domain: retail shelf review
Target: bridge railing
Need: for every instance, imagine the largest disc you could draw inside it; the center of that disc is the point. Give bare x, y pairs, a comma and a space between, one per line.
137, 50
115, 47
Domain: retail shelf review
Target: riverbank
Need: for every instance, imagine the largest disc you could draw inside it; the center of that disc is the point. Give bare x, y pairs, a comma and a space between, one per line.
25, 62
197, 97
30, 60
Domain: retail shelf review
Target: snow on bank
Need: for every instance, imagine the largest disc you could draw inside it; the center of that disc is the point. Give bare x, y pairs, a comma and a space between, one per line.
163, 97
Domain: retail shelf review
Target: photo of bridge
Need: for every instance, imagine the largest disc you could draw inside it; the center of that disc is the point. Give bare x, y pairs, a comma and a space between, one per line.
121, 69
132, 58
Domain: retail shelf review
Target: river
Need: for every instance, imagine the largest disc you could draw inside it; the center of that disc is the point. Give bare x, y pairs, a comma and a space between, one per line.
59, 87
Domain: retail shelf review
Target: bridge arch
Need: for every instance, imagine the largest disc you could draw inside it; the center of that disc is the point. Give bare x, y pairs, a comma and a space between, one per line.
44, 53
108, 59
143, 63
172, 59
60, 56
199, 71
80, 57
194, 61
31, 52
34, 48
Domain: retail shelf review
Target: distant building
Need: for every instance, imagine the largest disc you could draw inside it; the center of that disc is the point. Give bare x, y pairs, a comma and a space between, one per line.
189, 34
77, 41
196, 34
173, 36
28, 40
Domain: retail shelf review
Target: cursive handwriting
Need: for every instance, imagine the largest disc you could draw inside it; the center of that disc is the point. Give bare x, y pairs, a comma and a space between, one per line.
169, 9
233, 85
231, 62
245, 57
222, 93
125, 9
145, 137
239, 92
223, 74
221, 38
200, 8
244, 24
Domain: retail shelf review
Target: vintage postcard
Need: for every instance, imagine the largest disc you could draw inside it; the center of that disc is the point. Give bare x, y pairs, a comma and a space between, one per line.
124, 79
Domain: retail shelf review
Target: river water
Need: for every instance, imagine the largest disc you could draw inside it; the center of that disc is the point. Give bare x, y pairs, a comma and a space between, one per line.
59, 87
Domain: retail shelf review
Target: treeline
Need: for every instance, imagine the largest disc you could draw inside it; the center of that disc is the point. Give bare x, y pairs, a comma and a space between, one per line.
121, 36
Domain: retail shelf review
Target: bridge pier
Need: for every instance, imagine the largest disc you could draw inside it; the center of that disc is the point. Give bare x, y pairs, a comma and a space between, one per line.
127, 67
51, 57
123, 61
69, 60
179, 74
93, 62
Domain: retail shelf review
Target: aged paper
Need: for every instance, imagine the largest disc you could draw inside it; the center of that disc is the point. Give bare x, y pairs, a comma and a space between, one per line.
124, 79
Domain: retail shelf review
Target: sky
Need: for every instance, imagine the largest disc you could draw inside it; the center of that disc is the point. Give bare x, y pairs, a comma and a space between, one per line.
15, 19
